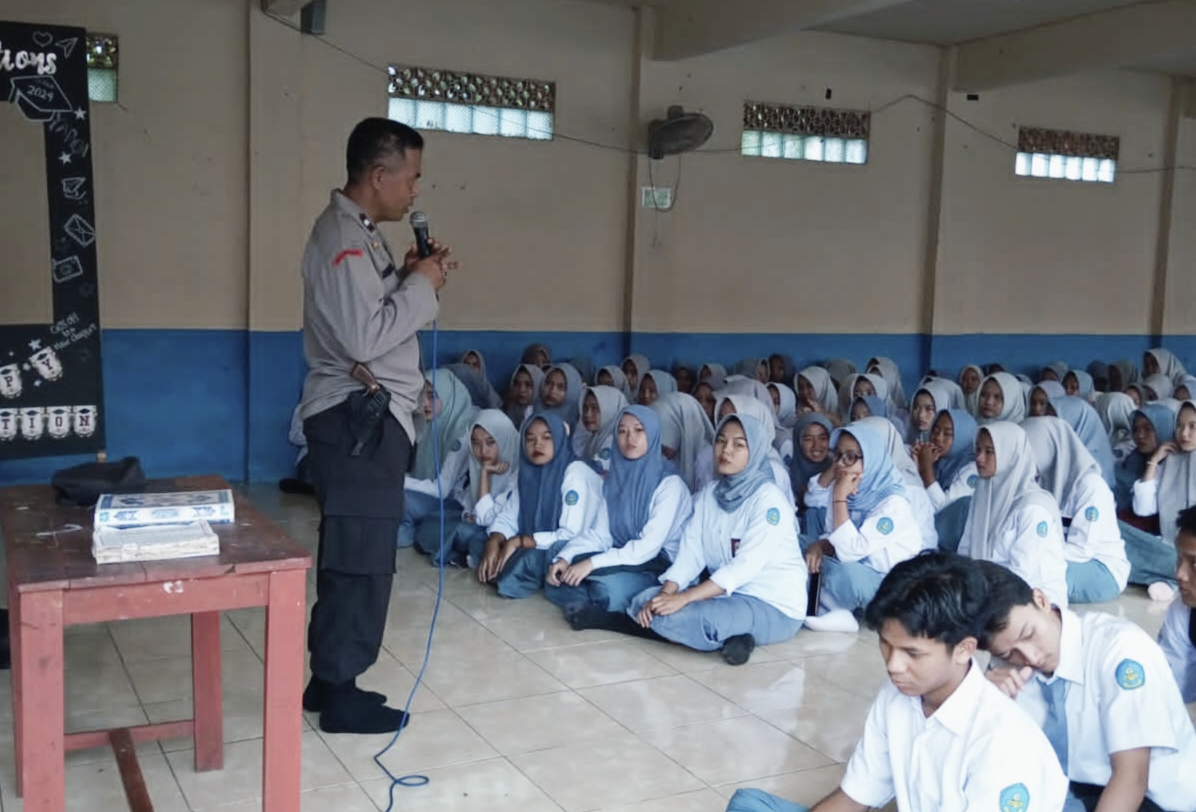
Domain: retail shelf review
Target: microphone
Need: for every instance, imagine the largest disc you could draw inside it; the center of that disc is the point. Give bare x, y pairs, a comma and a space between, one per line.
419, 224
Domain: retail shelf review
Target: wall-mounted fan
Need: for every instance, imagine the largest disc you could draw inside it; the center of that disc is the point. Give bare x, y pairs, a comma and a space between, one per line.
678, 132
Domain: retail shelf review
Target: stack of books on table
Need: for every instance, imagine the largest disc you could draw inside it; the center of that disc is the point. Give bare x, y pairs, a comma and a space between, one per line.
157, 526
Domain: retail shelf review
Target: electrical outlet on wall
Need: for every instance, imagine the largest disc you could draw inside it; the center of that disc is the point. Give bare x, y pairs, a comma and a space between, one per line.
656, 197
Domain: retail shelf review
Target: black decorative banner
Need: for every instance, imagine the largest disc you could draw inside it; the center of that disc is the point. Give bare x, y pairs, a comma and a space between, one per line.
51, 385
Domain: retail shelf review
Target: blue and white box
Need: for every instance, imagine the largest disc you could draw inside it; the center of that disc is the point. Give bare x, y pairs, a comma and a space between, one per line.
147, 509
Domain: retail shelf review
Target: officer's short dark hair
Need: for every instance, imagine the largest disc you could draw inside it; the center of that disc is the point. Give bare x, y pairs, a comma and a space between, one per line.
937, 595
1006, 591
1186, 521
374, 140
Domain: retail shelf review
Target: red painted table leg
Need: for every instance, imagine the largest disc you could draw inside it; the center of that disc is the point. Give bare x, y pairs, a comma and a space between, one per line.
282, 755
43, 764
14, 642
207, 694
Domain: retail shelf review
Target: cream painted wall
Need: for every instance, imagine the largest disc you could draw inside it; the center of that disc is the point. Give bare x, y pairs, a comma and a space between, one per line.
763, 245
1026, 255
170, 163
1179, 314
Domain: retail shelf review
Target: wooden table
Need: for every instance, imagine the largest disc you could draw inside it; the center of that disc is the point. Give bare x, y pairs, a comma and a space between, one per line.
54, 582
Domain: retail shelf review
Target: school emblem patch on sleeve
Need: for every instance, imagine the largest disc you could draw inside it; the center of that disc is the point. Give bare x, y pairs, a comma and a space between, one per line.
972, 480
885, 526
1092, 514
1043, 529
773, 516
604, 454
1015, 798
456, 445
1130, 674
571, 498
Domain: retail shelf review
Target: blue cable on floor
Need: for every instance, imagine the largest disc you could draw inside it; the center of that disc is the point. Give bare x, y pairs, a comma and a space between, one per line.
421, 780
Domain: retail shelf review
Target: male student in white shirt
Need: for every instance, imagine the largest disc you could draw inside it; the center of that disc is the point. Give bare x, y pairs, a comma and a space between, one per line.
939, 736
1104, 694
1177, 638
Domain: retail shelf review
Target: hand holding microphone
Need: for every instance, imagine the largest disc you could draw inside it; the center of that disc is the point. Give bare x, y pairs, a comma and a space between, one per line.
427, 256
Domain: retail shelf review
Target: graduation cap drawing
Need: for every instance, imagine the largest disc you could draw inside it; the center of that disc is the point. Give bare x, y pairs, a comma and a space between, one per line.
39, 98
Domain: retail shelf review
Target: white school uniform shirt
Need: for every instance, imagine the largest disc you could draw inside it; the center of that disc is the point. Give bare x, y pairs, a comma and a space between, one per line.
886, 537
753, 551
780, 474
451, 481
1178, 649
703, 469
1146, 494
785, 452
1094, 532
582, 509
963, 486
669, 510
1031, 545
487, 509
1120, 696
978, 752
915, 496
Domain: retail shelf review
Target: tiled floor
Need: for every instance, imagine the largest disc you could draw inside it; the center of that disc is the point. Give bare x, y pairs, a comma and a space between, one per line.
517, 712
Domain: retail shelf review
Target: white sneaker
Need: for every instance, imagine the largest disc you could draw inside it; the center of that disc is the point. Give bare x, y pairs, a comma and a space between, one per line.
1160, 591
836, 620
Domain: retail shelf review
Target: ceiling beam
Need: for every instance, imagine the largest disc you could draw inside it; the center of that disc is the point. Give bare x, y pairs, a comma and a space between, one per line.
283, 8
1120, 36
690, 28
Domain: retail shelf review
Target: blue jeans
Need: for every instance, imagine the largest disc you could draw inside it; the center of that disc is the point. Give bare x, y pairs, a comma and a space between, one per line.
1090, 582
1151, 559
950, 522
707, 624
849, 586
416, 507
814, 522
460, 539
523, 576
610, 588
757, 800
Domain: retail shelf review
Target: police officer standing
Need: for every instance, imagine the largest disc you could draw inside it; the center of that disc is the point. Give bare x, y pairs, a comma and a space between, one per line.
361, 314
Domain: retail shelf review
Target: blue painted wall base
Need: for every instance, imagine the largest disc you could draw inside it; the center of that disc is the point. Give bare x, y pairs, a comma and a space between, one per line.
220, 401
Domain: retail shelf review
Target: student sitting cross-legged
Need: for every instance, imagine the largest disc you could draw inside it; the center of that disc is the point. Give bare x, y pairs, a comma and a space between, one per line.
744, 535
1178, 635
939, 737
1103, 693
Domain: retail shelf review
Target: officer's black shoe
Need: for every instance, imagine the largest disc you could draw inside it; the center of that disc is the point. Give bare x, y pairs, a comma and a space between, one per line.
317, 689
350, 711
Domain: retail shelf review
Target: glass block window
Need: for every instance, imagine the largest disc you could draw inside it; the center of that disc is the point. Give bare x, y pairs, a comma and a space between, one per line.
471, 103
103, 58
1064, 155
805, 133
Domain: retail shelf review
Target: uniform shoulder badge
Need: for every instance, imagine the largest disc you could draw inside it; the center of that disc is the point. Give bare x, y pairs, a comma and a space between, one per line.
571, 498
973, 480
604, 454
885, 526
773, 516
1130, 674
1015, 798
456, 445
1043, 529
1092, 514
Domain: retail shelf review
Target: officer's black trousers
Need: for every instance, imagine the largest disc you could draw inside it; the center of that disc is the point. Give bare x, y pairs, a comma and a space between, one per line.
361, 506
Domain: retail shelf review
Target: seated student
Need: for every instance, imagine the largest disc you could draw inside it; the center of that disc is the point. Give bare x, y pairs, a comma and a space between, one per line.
753, 407
653, 384
1150, 426
600, 408
1157, 387
754, 368
1054, 371
970, 379
947, 460
1099, 371
839, 369
743, 534
915, 491
1167, 486
613, 377
537, 355
811, 455
440, 459
930, 399
1079, 384
493, 475
784, 403
816, 392
635, 367
1041, 396
561, 393
870, 528
783, 435
887, 369
1001, 400
480, 391
1116, 410
1103, 693
683, 374
1012, 521
868, 406
1162, 362
1178, 635
520, 400
939, 737
704, 395
716, 373
1097, 567
557, 500
1122, 374
686, 438
1185, 388
781, 368
477, 361
647, 506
